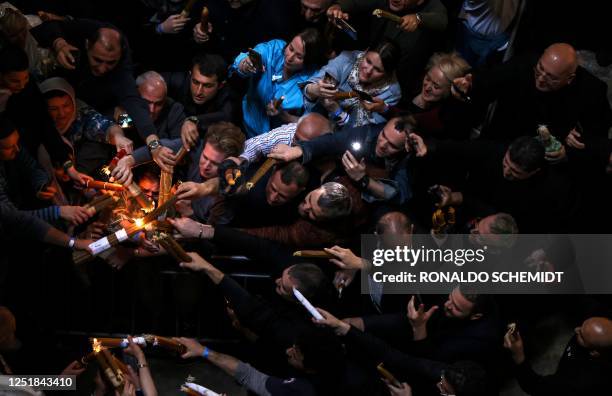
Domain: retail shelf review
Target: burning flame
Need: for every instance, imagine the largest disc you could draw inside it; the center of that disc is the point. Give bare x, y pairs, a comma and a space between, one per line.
149, 209
106, 171
96, 345
139, 222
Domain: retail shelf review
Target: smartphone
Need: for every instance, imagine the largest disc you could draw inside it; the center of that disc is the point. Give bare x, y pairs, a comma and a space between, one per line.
418, 300
357, 149
364, 96
346, 28
125, 121
329, 79
256, 59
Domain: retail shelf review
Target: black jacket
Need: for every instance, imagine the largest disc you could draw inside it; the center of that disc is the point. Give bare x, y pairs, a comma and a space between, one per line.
223, 107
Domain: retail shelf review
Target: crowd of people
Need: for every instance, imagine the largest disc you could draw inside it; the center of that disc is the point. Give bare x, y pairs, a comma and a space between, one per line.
266, 127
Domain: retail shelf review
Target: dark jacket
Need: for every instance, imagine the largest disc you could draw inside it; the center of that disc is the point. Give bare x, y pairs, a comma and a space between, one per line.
520, 108
542, 203
578, 373
335, 144
223, 107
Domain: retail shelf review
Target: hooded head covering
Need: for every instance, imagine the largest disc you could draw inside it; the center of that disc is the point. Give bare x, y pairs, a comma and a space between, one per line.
59, 84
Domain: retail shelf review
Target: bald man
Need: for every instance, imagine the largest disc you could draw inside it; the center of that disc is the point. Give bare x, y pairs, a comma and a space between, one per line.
307, 128
584, 368
548, 89
95, 58
167, 114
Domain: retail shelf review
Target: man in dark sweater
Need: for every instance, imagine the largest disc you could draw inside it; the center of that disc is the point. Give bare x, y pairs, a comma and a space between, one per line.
549, 89
204, 95
167, 115
516, 180
584, 368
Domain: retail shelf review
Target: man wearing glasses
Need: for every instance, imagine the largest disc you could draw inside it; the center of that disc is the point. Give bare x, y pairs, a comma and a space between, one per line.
551, 90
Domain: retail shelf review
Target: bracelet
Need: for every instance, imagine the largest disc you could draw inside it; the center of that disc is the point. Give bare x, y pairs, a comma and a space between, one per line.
71, 242
205, 353
67, 165
142, 365
337, 113
201, 231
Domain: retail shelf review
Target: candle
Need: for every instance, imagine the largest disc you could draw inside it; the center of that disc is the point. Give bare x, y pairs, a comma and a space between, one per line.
197, 390
100, 185
173, 248
187, 9
169, 344
204, 15
263, 169
108, 366
111, 240
120, 342
304, 301
313, 254
345, 95
100, 203
385, 14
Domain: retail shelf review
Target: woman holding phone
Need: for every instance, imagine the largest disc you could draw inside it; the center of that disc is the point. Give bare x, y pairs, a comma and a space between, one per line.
367, 76
275, 70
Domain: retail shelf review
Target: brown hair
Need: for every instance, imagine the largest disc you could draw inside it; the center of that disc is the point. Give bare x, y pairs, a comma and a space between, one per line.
12, 21
226, 137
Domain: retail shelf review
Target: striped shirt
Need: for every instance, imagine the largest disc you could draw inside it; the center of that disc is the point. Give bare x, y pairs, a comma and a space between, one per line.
261, 145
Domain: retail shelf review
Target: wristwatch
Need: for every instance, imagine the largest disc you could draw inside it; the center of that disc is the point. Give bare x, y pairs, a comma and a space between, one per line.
419, 19
153, 145
193, 119
71, 242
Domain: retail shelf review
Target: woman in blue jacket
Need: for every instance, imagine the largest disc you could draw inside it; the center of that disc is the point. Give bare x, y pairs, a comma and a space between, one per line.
284, 67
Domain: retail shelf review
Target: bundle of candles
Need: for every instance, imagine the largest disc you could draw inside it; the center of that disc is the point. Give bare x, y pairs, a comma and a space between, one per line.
132, 188
193, 389
312, 254
386, 14
123, 234
101, 185
101, 202
263, 169
172, 247
112, 368
146, 339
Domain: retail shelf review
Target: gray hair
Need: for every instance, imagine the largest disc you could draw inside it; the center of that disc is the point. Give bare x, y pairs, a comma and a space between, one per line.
152, 77
503, 223
335, 201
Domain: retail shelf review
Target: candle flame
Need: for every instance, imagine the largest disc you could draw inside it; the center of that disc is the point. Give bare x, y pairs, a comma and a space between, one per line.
106, 170
139, 222
96, 345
